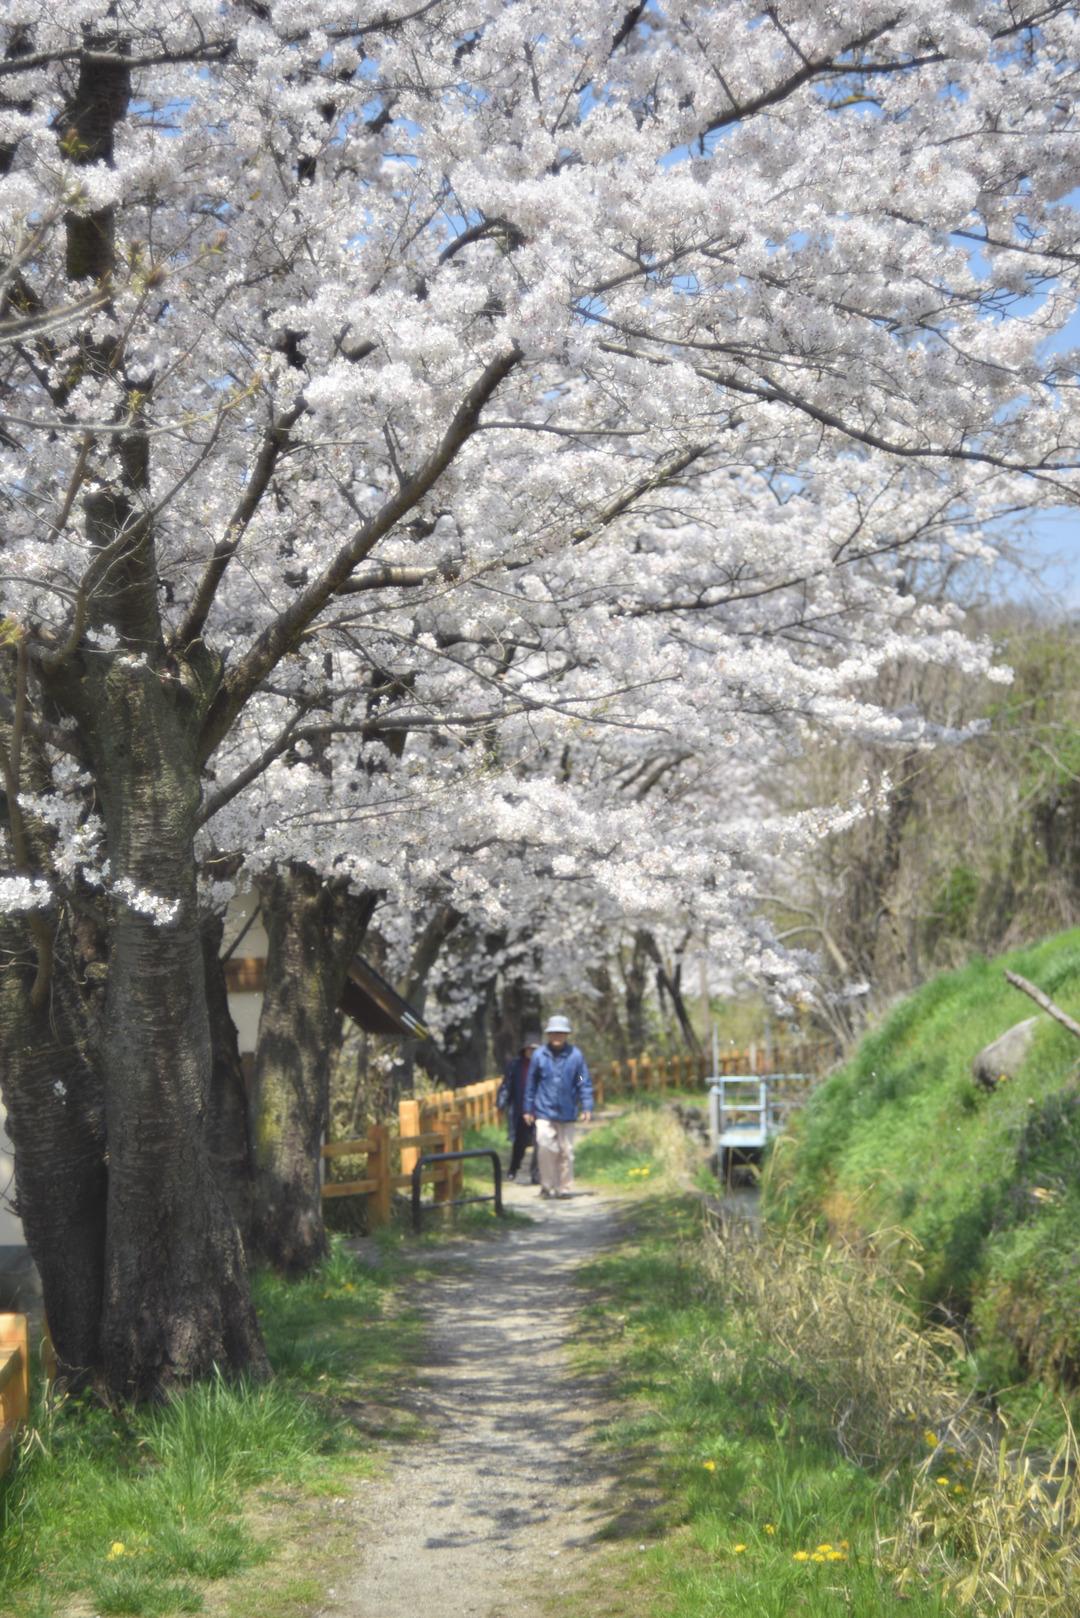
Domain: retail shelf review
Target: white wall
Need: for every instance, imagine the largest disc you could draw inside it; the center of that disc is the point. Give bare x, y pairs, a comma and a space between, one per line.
11, 1231
245, 1008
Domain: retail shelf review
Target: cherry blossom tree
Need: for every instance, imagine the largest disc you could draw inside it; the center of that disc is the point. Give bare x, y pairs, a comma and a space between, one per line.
586, 370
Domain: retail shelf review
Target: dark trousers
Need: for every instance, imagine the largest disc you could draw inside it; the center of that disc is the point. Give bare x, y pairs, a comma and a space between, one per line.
524, 1137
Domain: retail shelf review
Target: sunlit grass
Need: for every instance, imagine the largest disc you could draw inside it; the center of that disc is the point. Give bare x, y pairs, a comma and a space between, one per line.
137, 1512
739, 1499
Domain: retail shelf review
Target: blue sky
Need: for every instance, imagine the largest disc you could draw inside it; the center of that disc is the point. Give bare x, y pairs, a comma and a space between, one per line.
1055, 551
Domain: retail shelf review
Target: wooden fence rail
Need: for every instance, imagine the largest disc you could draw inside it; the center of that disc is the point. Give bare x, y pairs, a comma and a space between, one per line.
437, 1122
433, 1123
14, 1383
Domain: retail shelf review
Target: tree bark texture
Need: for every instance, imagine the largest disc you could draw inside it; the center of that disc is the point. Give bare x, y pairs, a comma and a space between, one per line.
314, 929
635, 983
55, 1116
49, 1077
177, 1299
227, 1130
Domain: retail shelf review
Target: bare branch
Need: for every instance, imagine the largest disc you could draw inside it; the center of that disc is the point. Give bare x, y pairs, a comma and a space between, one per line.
1044, 1001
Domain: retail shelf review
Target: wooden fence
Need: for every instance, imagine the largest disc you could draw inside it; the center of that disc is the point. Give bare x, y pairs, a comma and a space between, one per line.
436, 1123
433, 1123
644, 1075
14, 1383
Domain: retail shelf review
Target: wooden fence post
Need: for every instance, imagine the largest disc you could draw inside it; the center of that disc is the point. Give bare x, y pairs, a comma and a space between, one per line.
15, 1385
631, 1074
409, 1123
598, 1090
645, 1070
379, 1170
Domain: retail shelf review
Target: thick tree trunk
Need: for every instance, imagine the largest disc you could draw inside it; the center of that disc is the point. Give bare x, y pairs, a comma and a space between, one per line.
55, 1117
314, 929
227, 1114
48, 1073
177, 1300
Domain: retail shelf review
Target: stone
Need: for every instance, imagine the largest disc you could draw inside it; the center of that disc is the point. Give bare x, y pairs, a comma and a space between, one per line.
1003, 1058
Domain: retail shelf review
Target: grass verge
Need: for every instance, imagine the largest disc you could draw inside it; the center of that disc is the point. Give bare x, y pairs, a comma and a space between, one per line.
740, 1502
138, 1512
792, 1442
643, 1149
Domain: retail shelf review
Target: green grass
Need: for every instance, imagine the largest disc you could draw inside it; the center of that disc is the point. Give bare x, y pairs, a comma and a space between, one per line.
136, 1512
719, 1446
644, 1150
986, 1184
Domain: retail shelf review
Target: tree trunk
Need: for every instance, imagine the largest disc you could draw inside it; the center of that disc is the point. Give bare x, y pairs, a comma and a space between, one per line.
517, 1008
314, 929
50, 1080
177, 1299
55, 1116
227, 1115
437, 929
635, 980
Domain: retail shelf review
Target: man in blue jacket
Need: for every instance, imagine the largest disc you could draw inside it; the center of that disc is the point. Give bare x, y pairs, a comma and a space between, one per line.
557, 1085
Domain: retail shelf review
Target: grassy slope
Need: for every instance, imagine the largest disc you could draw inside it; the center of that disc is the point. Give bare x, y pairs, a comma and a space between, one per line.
987, 1184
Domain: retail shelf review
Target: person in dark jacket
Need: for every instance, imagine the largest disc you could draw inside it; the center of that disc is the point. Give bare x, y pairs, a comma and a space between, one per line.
511, 1101
557, 1088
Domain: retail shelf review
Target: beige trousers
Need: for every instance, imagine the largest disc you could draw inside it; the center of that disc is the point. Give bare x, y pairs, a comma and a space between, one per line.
555, 1144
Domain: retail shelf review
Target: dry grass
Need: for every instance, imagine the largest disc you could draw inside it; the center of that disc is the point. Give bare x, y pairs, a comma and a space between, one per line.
817, 1314
999, 1527
989, 1519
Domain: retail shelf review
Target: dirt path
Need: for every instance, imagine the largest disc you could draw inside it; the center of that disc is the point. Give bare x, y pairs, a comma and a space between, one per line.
496, 1512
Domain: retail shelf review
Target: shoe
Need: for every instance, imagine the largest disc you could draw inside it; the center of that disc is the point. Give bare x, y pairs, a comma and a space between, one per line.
544, 1192
511, 1174
564, 1196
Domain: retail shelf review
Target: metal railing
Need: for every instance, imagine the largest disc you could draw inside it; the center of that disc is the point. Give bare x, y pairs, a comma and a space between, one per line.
431, 1158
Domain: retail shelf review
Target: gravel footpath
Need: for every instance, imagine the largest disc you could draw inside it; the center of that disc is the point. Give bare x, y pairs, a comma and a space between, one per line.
496, 1514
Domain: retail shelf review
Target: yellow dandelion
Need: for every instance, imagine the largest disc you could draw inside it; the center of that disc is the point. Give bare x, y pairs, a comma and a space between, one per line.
844, 1545
817, 1557
117, 1548
837, 1556
801, 1556
942, 1482
825, 1547
710, 1466
738, 1549
958, 1488
770, 1528
931, 1438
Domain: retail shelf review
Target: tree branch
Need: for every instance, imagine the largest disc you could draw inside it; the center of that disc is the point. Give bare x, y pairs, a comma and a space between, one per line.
280, 636
1044, 1001
274, 443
